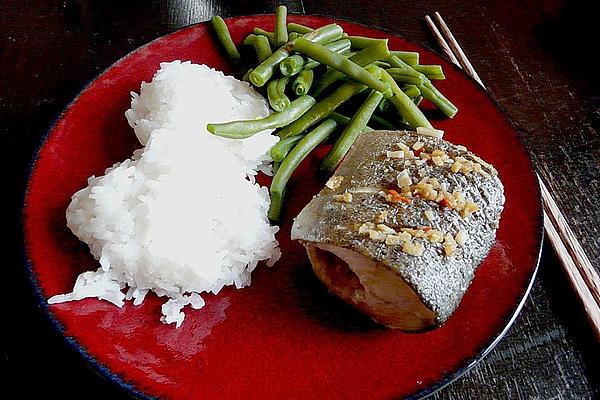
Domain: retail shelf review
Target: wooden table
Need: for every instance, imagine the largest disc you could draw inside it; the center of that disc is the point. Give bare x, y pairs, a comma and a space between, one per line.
532, 55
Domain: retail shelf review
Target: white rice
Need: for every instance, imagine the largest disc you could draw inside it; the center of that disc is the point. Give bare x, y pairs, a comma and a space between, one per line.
183, 215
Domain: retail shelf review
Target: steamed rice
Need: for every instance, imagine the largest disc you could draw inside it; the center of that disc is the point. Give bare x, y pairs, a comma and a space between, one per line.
183, 215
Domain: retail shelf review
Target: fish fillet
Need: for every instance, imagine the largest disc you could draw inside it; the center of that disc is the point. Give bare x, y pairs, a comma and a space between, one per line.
401, 227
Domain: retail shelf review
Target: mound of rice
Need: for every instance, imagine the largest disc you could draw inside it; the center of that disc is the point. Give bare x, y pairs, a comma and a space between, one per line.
183, 215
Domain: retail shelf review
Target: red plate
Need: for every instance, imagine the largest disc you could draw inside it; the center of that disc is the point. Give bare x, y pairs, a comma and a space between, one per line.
283, 337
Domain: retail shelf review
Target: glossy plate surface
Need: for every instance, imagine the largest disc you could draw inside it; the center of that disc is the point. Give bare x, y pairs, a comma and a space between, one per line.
284, 336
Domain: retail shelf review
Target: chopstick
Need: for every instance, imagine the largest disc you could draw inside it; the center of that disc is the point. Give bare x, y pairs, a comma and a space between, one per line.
579, 269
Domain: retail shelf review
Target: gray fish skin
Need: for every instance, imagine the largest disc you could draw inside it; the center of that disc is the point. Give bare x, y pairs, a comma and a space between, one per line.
429, 286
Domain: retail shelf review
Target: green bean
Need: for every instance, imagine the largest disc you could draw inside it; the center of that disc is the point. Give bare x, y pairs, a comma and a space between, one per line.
222, 32
408, 70
291, 65
431, 93
361, 42
342, 120
325, 34
303, 82
417, 100
431, 71
364, 57
404, 105
411, 91
262, 48
269, 35
396, 62
381, 64
249, 40
293, 36
246, 76
276, 94
291, 162
339, 46
409, 57
403, 75
281, 33
322, 109
293, 27
265, 70
351, 131
281, 149
311, 64
349, 66
247, 128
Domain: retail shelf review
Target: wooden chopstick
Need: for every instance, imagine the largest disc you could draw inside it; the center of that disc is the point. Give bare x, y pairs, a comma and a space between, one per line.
580, 272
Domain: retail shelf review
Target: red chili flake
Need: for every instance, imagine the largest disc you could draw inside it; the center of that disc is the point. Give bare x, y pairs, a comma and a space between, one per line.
425, 228
445, 203
397, 197
418, 152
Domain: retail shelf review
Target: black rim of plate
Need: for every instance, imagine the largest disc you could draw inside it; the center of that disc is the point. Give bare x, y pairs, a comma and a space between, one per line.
130, 388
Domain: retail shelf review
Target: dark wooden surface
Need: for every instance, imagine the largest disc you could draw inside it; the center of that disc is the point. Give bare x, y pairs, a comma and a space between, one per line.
533, 55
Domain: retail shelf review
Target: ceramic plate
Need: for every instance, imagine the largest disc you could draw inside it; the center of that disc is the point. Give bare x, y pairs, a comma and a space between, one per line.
284, 336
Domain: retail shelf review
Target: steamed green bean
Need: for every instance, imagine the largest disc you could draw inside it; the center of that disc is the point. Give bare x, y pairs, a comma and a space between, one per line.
281, 149
292, 65
351, 131
411, 91
322, 109
368, 55
224, 36
293, 27
339, 46
431, 93
403, 75
361, 42
281, 34
291, 162
409, 57
269, 35
247, 128
431, 71
265, 70
404, 105
276, 94
303, 82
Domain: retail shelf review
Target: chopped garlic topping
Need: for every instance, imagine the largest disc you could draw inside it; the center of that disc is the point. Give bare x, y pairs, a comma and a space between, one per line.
403, 147
435, 236
343, 198
403, 179
395, 154
334, 182
429, 215
413, 249
381, 216
366, 227
461, 237
449, 249
421, 130
418, 145
469, 209
456, 167
385, 229
438, 161
376, 235
393, 239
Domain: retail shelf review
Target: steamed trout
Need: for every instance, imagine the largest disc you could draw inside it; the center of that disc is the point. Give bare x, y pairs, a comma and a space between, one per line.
400, 228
